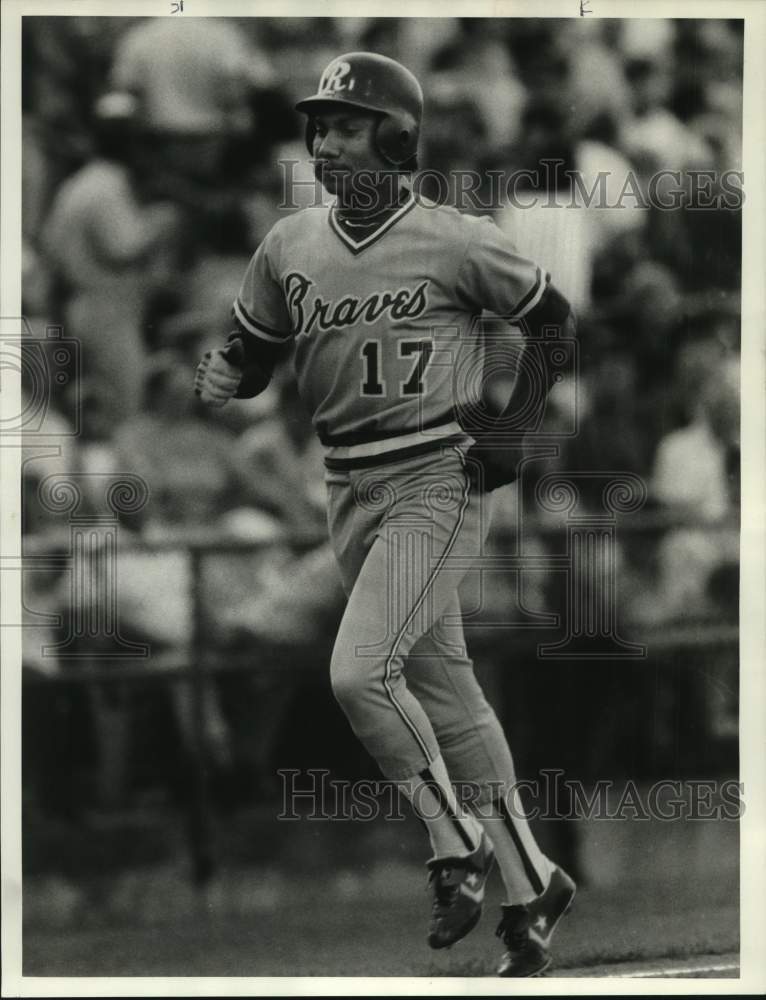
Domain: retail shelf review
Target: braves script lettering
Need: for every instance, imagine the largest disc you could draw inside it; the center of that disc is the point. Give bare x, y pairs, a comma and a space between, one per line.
316, 314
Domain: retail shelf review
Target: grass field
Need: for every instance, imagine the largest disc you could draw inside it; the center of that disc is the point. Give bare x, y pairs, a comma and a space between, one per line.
346, 899
341, 926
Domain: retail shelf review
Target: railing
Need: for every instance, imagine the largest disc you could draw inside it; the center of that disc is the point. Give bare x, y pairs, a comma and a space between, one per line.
201, 661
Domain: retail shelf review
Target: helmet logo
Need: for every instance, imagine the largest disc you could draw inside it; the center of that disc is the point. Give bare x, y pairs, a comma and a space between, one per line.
334, 78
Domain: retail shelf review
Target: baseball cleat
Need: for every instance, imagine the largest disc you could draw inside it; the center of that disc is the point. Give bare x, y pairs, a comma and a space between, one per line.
526, 931
458, 885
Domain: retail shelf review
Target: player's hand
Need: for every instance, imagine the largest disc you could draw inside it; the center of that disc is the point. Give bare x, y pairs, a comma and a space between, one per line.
219, 373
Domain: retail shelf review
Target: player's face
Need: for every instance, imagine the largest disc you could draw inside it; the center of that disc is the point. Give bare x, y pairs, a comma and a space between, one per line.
344, 146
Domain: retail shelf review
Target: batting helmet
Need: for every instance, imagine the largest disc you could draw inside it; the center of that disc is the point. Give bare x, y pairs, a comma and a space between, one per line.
375, 83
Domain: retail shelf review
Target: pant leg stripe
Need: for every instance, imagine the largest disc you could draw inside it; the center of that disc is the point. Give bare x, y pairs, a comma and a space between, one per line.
441, 797
416, 607
529, 869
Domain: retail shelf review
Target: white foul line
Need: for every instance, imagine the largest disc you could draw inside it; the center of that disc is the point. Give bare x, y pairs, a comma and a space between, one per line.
685, 971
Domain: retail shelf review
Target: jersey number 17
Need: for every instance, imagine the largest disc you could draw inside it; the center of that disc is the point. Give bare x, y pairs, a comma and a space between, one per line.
373, 383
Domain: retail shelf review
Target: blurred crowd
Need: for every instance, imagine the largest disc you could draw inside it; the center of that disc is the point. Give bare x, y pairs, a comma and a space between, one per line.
151, 171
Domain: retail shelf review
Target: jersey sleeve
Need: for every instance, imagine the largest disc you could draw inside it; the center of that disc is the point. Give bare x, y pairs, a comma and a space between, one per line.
260, 306
493, 276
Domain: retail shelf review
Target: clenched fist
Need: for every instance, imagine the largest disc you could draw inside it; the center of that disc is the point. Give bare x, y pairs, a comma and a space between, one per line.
219, 374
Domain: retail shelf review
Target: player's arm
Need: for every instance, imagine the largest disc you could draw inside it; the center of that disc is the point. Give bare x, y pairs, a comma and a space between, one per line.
244, 367
495, 277
492, 463
552, 312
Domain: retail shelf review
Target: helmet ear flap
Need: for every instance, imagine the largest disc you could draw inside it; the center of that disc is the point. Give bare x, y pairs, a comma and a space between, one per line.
397, 137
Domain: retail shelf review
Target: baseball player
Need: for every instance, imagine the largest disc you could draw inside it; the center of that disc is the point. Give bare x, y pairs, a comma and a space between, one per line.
379, 295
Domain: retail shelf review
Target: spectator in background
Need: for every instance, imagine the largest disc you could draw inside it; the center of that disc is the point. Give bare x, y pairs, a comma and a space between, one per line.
195, 470
106, 250
207, 484
65, 61
454, 142
191, 77
304, 598
597, 90
654, 130
195, 82
548, 217
707, 91
686, 102
51, 444
609, 436
640, 309
299, 48
703, 243
539, 50
647, 310
480, 69
541, 226
691, 465
696, 478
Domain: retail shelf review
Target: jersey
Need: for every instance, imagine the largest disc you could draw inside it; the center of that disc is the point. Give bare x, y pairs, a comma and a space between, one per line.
385, 329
